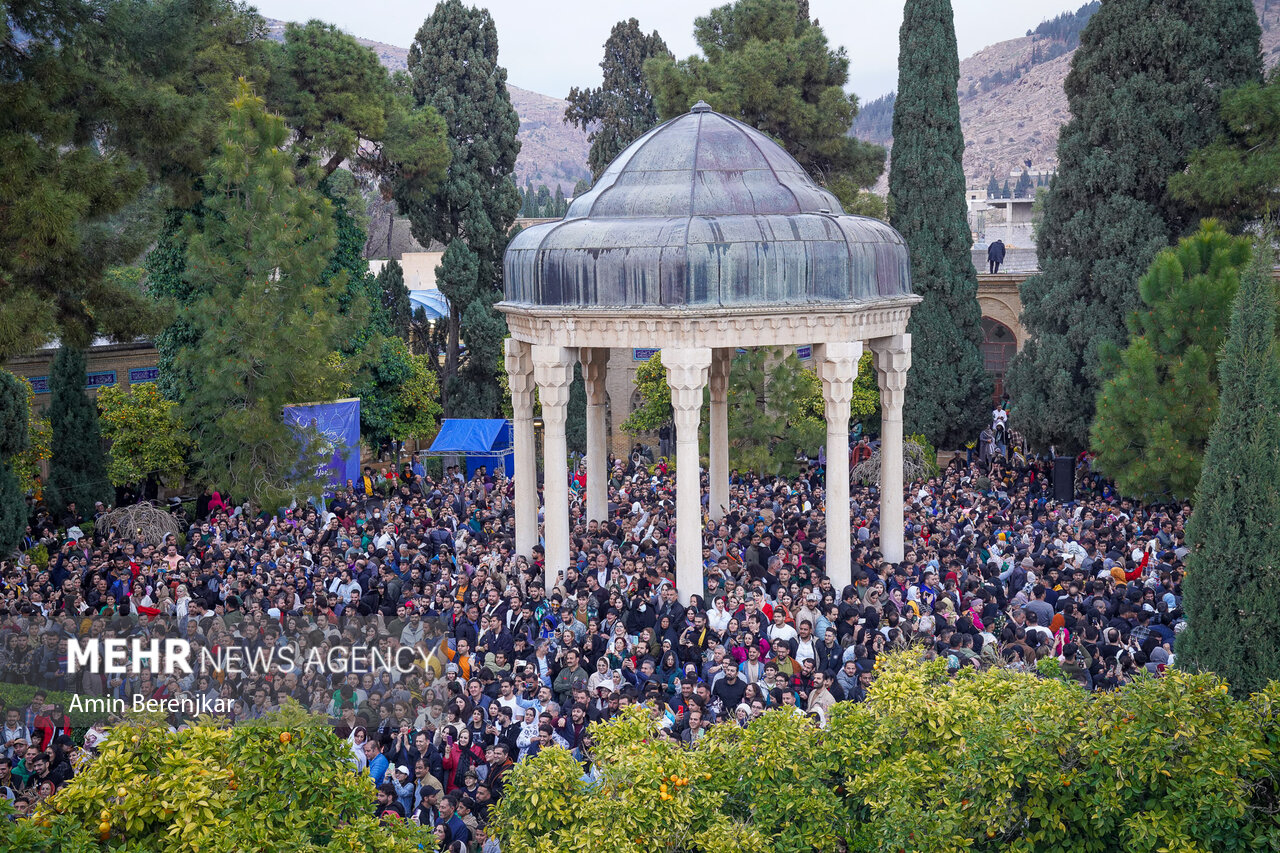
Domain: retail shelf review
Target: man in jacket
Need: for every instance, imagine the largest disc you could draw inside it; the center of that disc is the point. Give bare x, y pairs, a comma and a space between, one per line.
995, 256
570, 673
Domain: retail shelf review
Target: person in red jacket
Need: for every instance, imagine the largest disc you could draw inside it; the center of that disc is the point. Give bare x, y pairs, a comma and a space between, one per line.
50, 724
461, 756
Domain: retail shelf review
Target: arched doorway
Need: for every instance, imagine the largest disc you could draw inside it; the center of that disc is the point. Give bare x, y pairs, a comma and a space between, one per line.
998, 348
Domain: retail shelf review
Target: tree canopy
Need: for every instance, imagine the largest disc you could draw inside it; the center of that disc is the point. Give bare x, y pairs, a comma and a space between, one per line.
147, 439
1237, 175
621, 109
1137, 114
1160, 397
267, 333
948, 391
453, 63
1232, 586
77, 470
766, 63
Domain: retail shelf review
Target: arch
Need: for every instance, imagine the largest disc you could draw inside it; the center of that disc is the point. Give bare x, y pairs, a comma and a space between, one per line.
999, 344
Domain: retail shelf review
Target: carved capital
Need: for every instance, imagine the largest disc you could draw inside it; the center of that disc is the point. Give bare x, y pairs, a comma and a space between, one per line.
687, 369
594, 361
718, 375
519, 364
553, 373
837, 368
893, 360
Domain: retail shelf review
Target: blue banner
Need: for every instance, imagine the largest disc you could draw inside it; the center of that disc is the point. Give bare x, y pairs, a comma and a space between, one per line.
338, 424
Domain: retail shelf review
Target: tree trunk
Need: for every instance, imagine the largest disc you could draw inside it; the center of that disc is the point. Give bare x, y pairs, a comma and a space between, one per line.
450, 357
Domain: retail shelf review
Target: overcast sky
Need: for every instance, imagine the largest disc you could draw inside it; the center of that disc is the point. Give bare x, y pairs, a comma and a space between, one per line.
550, 45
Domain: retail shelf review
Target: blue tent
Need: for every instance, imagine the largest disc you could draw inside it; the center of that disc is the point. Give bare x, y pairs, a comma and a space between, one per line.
482, 442
431, 301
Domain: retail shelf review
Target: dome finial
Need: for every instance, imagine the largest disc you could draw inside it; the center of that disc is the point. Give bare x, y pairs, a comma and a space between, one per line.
700, 107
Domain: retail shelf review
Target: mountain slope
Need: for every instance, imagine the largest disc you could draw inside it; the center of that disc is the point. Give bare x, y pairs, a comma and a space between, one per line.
1012, 102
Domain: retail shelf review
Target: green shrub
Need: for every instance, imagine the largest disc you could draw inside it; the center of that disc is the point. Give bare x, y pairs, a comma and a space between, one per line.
282, 783
989, 761
40, 556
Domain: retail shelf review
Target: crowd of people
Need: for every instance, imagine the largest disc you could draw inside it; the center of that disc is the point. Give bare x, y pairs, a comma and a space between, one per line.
996, 573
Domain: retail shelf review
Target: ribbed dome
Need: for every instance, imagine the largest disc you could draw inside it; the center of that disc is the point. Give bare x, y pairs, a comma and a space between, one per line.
704, 211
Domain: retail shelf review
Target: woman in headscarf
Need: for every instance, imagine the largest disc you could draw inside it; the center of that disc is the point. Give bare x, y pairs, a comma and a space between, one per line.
356, 741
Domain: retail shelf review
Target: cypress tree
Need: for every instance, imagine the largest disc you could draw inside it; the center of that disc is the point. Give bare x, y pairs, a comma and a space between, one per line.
453, 63
622, 109
13, 441
1231, 592
1024, 184
78, 468
993, 188
1161, 395
1138, 112
948, 391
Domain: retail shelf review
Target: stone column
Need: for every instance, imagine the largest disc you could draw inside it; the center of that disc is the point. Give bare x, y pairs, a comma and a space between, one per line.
718, 469
687, 375
594, 370
619, 383
520, 375
553, 373
837, 365
893, 360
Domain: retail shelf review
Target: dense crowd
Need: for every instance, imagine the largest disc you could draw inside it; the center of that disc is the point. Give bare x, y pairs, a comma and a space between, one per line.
996, 574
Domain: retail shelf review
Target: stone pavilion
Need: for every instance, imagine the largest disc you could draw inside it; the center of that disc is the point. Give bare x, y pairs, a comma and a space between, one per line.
701, 237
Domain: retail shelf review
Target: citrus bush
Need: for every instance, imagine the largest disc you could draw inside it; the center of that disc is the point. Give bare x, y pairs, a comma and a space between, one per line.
986, 761
283, 784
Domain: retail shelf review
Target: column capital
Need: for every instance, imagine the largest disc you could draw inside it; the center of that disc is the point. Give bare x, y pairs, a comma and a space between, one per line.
687, 369
837, 368
553, 372
594, 363
893, 360
718, 374
519, 365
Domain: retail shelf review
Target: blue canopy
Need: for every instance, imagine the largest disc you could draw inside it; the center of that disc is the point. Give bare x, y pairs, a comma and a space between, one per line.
482, 441
431, 301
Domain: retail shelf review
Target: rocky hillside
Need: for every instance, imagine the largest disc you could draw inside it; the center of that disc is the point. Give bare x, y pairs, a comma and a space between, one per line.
551, 152
1012, 102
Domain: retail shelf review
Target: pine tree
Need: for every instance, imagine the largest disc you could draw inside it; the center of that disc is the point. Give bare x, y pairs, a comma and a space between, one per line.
1238, 174
1231, 591
1137, 114
13, 442
395, 299
622, 109
1160, 398
453, 63
948, 391
267, 330
98, 107
78, 469
778, 412
766, 63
